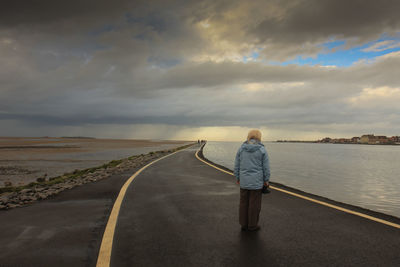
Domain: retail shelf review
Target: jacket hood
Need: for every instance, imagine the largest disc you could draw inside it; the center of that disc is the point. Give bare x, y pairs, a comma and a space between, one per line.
251, 146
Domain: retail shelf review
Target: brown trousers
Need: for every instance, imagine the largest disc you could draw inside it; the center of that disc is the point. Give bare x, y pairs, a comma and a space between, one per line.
249, 208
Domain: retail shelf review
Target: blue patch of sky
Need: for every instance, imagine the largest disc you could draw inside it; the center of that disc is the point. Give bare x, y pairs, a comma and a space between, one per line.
253, 56
334, 44
335, 53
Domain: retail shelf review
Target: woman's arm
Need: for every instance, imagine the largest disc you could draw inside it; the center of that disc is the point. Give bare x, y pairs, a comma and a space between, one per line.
237, 166
266, 169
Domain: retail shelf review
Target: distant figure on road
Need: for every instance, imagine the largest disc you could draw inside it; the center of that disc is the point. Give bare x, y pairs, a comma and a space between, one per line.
252, 172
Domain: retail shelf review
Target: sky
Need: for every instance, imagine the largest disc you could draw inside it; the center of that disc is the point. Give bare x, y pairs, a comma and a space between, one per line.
298, 69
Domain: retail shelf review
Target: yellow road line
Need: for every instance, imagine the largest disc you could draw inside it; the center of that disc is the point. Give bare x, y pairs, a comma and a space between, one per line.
313, 200
104, 257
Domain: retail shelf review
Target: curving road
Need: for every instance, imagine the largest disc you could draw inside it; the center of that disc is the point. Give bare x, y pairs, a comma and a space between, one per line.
182, 212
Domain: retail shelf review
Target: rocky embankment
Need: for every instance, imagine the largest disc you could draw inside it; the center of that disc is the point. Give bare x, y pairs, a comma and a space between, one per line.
12, 197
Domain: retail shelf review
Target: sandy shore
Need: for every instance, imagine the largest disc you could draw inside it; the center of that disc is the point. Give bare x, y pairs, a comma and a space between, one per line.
24, 159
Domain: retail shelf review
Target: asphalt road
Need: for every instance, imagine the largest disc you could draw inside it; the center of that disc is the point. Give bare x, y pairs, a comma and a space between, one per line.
65, 230
182, 212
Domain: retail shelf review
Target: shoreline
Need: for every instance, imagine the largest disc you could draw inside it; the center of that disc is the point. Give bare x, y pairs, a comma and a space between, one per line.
380, 215
18, 196
23, 160
315, 142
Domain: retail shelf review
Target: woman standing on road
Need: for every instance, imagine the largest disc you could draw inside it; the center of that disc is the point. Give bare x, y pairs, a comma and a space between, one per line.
252, 172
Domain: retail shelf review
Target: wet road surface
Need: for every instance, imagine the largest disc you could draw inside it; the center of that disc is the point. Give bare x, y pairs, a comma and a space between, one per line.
182, 212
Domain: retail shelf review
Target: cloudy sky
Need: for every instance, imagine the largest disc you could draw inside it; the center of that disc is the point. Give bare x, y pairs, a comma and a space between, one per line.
297, 69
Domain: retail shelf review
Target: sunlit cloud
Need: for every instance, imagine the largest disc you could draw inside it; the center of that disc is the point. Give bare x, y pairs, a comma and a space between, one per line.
383, 45
255, 87
377, 98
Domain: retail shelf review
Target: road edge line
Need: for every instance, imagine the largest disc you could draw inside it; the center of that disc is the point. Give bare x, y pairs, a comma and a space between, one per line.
369, 217
104, 256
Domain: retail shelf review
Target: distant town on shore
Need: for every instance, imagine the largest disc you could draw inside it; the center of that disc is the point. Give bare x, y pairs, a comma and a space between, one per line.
367, 139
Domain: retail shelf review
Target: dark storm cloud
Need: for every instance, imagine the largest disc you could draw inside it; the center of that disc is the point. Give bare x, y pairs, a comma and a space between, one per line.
180, 63
46, 12
313, 20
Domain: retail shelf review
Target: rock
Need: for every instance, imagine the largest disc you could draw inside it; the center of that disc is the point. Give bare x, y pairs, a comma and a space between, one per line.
24, 191
7, 183
56, 191
13, 200
41, 195
3, 207
50, 192
6, 194
41, 179
26, 198
4, 199
11, 206
39, 189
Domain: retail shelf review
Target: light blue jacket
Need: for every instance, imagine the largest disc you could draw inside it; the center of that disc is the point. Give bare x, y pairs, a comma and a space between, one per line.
252, 165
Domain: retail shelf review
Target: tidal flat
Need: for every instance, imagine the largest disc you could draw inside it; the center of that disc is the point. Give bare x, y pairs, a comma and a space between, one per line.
25, 159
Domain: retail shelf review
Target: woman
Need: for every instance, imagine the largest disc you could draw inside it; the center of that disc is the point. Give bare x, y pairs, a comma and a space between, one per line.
252, 172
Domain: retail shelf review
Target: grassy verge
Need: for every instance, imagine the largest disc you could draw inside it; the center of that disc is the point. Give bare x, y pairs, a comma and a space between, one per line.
78, 173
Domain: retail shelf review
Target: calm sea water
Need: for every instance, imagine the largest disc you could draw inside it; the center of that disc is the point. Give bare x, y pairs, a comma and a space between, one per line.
362, 175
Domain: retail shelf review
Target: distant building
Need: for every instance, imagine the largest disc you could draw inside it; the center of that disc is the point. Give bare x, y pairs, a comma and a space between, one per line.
364, 139
367, 138
373, 140
326, 140
381, 139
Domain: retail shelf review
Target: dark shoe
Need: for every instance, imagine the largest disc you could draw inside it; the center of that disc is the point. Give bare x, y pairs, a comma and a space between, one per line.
244, 228
254, 229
